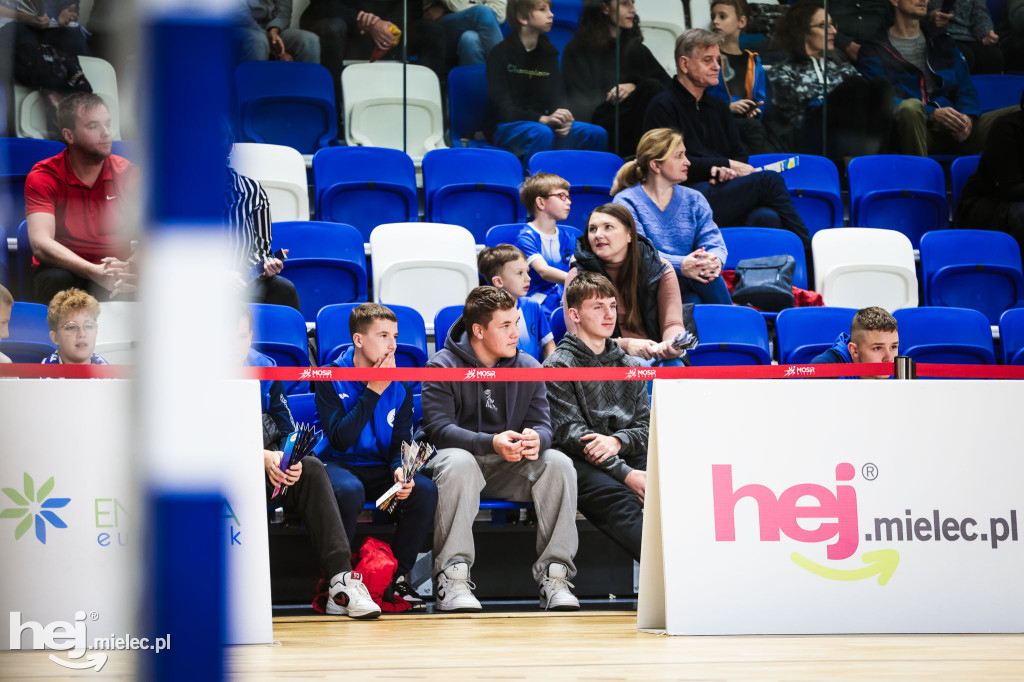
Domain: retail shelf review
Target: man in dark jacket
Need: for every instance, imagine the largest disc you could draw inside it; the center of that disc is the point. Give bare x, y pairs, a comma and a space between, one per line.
494, 438
602, 425
873, 337
306, 490
525, 100
936, 102
739, 195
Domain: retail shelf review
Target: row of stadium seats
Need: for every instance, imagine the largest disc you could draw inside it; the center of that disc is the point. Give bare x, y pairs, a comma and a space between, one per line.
429, 266
729, 335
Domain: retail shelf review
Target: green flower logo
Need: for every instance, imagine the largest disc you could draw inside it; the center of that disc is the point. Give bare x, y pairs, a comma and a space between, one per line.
43, 513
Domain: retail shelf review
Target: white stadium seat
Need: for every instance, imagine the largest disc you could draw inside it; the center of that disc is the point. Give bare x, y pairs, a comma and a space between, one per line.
282, 173
30, 117
857, 267
425, 266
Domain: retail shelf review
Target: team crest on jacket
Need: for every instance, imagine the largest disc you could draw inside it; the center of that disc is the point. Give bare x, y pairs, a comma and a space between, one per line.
391, 418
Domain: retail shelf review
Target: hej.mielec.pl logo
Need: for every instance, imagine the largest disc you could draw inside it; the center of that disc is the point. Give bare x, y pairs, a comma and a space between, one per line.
34, 507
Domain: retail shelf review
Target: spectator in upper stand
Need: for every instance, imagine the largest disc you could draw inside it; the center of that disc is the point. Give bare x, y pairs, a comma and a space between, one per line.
738, 195
247, 213
742, 81
504, 266
365, 424
471, 27
6, 306
859, 111
525, 100
857, 21
675, 218
310, 492
265, 32
602, 425
650, 313
547, 245
873, 338
360, 29
74, 203
609, 34
922, 60
1011, 36
494, 438
993, 198
30, 23
72, 319
970, 25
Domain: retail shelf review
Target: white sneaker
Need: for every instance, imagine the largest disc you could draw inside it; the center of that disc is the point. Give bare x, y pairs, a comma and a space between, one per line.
348, 596
554, 590
455, 591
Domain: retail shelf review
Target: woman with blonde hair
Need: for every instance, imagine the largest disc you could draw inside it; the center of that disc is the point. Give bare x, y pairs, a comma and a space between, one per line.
675, 218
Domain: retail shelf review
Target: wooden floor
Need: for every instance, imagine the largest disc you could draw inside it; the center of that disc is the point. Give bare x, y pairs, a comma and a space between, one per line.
585, 646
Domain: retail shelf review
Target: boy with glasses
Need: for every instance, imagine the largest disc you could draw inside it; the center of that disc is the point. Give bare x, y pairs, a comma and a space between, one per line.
72, 320
548, 246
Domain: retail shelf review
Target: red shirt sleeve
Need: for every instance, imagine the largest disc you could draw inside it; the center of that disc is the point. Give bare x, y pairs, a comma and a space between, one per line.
41, 191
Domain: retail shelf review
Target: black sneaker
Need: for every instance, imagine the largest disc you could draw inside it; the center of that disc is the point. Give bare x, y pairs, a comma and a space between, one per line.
404, 590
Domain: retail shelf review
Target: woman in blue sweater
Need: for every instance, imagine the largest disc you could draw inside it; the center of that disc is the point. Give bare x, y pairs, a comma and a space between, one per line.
675, 218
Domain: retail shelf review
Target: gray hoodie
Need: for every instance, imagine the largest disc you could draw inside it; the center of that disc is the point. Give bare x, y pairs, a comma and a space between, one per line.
467, 414
611, 408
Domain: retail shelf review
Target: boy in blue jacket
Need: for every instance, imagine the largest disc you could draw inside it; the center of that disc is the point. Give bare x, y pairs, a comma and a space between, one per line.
365, 424
504, 266
873, 337
493, 438
548, 246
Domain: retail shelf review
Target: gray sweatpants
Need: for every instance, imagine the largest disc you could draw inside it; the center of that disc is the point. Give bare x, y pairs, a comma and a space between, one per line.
549, 482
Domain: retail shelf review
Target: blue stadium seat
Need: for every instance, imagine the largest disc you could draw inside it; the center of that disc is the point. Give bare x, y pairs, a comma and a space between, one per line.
443, 321
803, 333
1011, 336
333, 338
730, 335
279, 332
814, 187
474, 188
566, 23
124, 149
557, 323
996, 91
5, 271
17, 156
286, 103
24, 263
977, 269
326, 263
590, 176
955, 336
303, 409
962, 168
365, 187
896, 192
29, 339
756, 242
503, 234
467, 104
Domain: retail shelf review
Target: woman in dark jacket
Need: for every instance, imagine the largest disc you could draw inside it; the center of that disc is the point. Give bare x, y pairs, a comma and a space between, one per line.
596, 91
859, 111
993, 198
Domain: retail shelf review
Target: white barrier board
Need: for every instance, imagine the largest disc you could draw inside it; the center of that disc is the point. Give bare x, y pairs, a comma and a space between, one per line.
777, 507
76, 545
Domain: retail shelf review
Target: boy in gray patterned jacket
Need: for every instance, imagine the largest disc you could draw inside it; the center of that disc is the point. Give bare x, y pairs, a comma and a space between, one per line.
602, 425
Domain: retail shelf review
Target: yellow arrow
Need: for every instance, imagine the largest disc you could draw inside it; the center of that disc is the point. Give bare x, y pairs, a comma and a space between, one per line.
881, 562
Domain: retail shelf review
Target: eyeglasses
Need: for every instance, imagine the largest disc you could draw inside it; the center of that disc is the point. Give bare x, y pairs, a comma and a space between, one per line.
73, 329
823, 24
564, 196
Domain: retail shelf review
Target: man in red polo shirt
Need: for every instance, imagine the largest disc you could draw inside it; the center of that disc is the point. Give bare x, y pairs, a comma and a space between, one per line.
74, 203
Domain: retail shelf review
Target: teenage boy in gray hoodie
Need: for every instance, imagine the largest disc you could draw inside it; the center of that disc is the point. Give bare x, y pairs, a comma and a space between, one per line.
494, 438
602, 425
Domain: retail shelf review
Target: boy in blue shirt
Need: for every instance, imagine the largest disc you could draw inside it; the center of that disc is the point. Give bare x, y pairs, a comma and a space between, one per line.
365, 424
547, 245
504, 266
873, 337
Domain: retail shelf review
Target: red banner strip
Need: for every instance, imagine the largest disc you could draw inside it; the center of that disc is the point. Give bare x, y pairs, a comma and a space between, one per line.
32, 371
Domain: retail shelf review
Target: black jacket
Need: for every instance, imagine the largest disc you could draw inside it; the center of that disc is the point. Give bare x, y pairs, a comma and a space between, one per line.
708, 129
521, 85
589, 72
